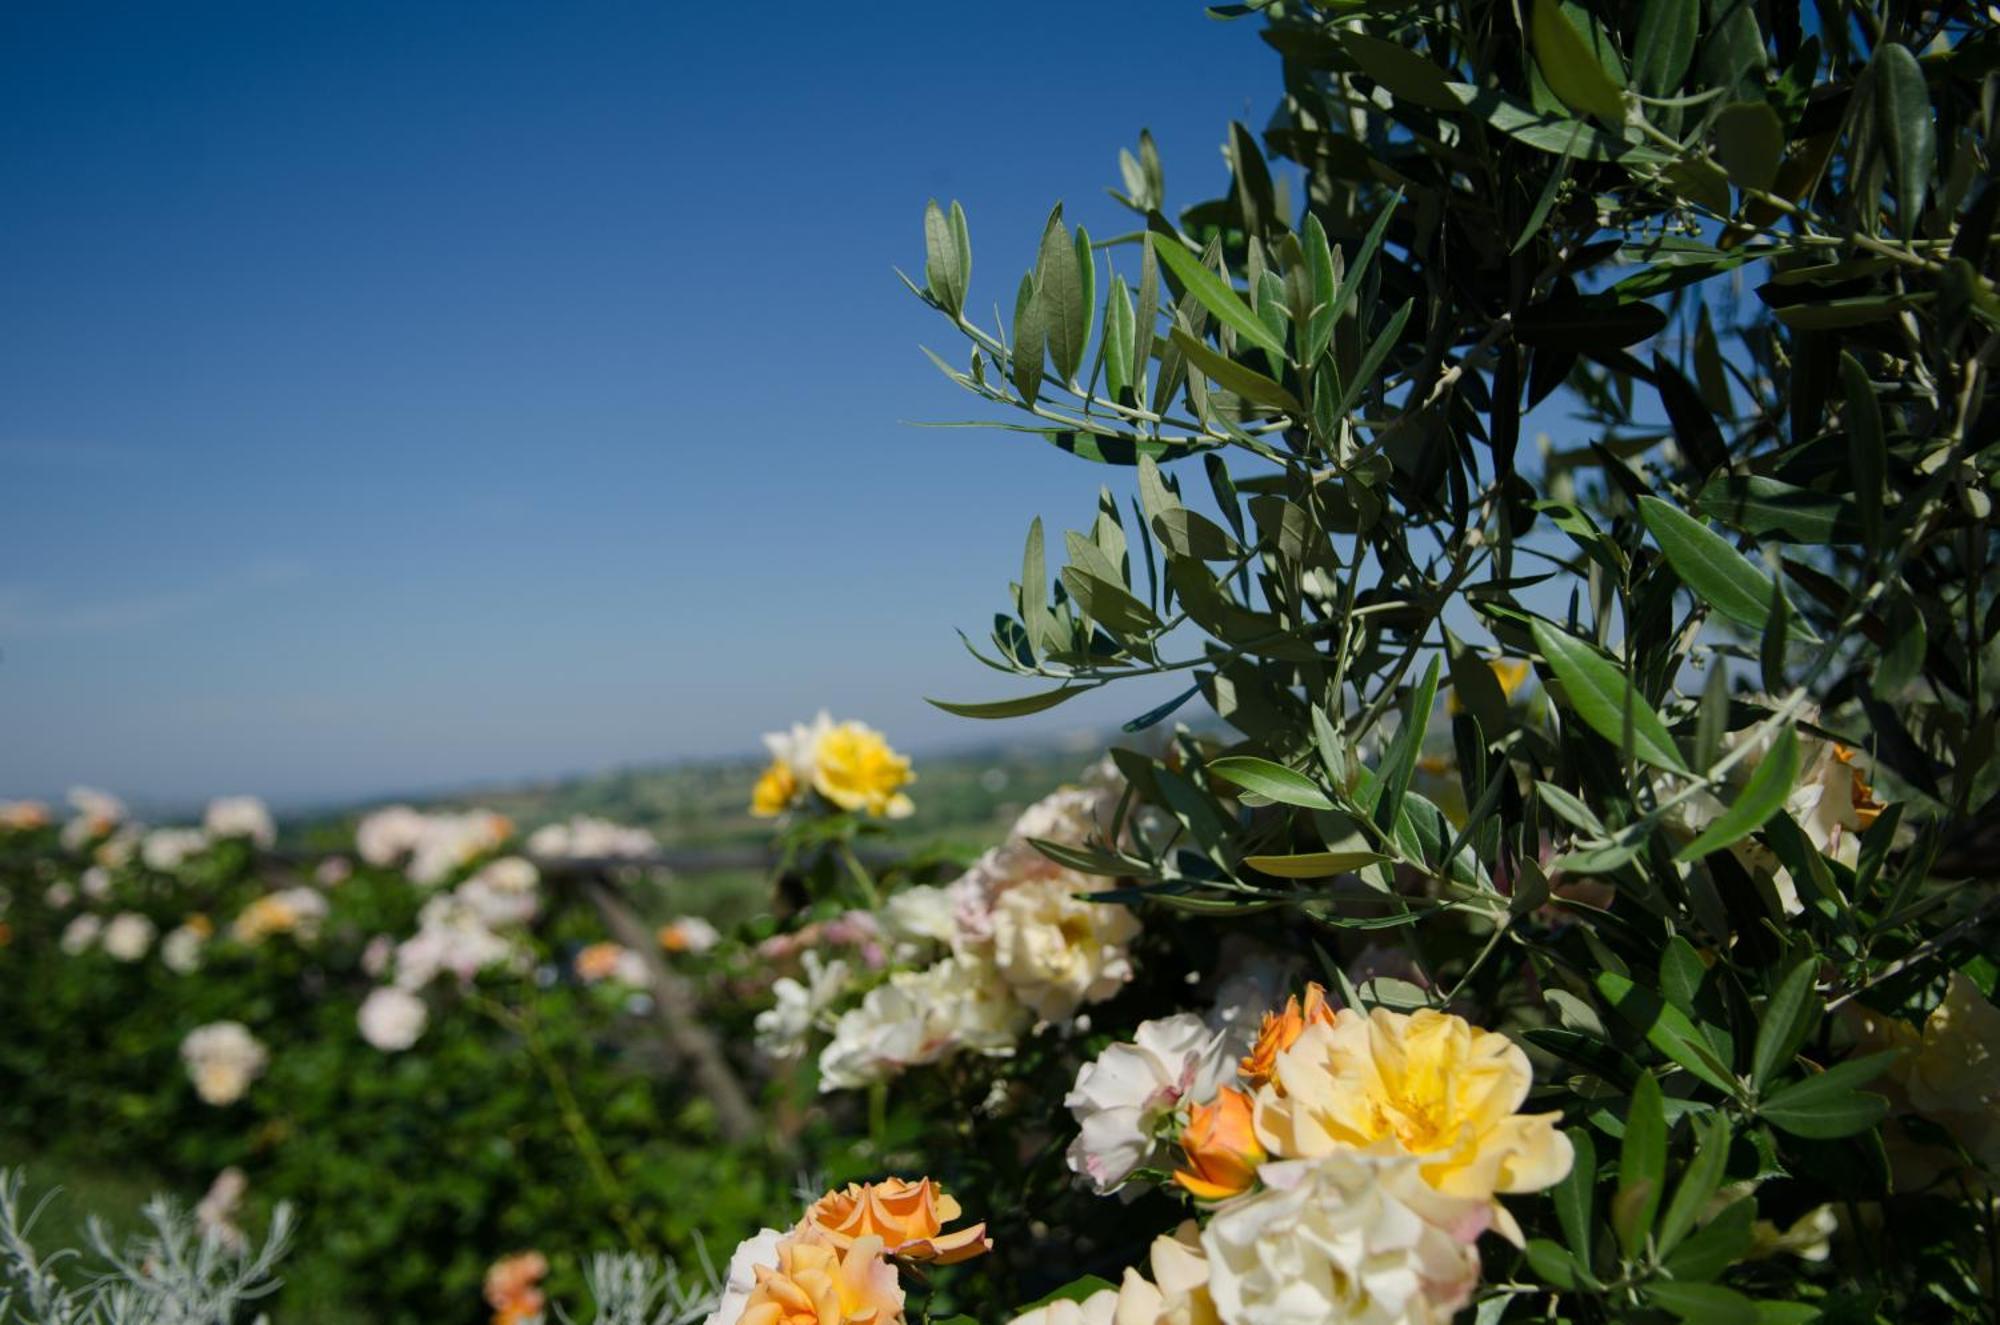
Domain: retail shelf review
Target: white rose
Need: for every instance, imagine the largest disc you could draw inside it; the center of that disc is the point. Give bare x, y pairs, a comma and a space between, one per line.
80, 933
448, 842
451, 936
129, 936
240, 816
223, 1058
798, 749
689, 934
737, 1286
1058, 952
96, 883
504, 893
386, 835
1122, 1099
1340, 1239
783, 1027
167, 849
181, 949
392, 1019
920, 1017
919, 919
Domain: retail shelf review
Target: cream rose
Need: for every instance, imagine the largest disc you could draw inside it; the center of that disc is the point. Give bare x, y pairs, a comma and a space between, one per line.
1349, 1237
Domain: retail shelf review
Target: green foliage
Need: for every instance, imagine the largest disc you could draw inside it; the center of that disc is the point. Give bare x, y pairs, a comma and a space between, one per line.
1754, 573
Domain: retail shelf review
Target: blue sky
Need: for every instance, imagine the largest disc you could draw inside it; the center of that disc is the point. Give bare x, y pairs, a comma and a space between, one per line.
404, 395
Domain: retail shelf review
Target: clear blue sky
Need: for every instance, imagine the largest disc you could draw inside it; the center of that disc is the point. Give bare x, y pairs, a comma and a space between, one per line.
396, 395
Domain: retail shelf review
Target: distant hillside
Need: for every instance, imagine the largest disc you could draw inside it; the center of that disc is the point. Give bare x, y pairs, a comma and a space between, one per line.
964, 798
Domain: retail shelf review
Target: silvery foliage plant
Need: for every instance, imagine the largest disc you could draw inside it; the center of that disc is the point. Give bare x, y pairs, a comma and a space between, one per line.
177, 1273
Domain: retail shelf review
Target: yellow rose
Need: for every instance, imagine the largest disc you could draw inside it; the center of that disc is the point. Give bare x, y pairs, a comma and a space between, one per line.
908, 1218
1511, 673
855, 769
1427, 1084
774, 790
1954, 1077
818, 1283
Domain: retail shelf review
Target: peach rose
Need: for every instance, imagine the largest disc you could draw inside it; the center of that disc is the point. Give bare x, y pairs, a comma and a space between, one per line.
818, 1283
513, 1287
908, 1217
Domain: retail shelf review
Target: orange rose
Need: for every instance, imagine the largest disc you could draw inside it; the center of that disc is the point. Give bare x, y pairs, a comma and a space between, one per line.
597, 961
1221, 1146
818, 1283
512, 1287
909, 1218
1860, 795
1281, 1029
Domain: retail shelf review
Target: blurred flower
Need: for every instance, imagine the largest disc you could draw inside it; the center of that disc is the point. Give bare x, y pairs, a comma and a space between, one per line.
223, 1058
376, 956
1280, 1031
23, 816
688, 934
1830, 801
79, 934
908, 1217
181, 949
59, 895
783, 1027
1512, 674
919, 919
450, 842
751, 1255
387, 835
1125, 1096
611, 961
216, 1212
854, 768
1350, 1236
920, 1017
129, 936
585, 838
818, 1283
504, 893
775, 791
167, 849
513, 1287
392, 1019
97, 813
96, 883
1427, 1085
333, 871
794, 755
1221, 1148
298, 911
451, 936
116, 851
1810, 1236
240, 816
